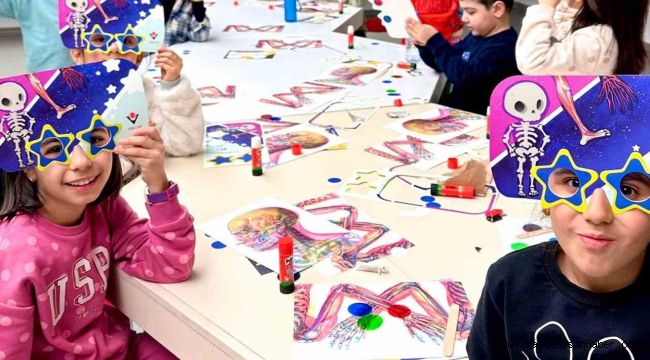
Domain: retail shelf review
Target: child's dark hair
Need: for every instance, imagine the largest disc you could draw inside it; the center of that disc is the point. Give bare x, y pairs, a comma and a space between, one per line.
488, 3
627, 19
19, 195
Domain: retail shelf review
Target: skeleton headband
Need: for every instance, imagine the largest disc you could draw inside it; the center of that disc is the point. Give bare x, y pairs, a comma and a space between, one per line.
558, 138
44, 115
135, 25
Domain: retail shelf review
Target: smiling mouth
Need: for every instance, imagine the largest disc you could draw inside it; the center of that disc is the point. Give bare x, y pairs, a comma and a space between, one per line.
82, 182
595, 241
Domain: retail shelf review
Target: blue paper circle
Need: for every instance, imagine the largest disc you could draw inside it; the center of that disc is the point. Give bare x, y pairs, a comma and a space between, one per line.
387, 18
334, 180
433, 205
218, 245
427, 198
359, 309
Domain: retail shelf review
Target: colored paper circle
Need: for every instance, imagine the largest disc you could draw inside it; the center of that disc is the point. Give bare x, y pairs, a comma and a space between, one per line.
334, 180
518, 246
387, 81
399, 311
359, 309
397, 76
374, 43
391, 91
387, 18
275, 118
370, 322
433, 205
378, 2
427, 198
218, 245
394, 94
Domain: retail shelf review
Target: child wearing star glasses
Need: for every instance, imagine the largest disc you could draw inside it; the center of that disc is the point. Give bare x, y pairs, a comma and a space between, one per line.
174, 106
584, 296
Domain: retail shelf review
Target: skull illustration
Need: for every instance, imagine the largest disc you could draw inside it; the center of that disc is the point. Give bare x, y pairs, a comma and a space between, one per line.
77, 5
526, 101
12, 97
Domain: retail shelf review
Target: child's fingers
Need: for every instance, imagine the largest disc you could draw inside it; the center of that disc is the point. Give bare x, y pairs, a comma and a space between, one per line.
172, 57
137, 152
141, 141
149, 131
166, 63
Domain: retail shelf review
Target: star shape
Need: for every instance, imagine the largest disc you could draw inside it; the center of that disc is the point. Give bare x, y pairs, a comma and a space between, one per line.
96, 30
112, 65
98, 73
563, 160
111, 89
636, 148
129, 32
98, 123
110, 104
142, 14
48, 132
635, 164
148, 2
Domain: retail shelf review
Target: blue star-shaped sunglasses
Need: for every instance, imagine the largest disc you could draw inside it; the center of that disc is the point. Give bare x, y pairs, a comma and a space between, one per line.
563, 182
52, 147
98, 40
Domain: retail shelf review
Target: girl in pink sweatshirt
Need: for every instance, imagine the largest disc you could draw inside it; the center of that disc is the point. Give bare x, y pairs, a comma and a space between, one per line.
61, 230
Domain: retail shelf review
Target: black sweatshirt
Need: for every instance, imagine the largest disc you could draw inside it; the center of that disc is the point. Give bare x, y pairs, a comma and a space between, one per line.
475, 65
528, 304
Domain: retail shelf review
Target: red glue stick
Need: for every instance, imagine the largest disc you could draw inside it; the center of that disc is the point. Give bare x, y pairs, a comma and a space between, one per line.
256, 154
350, 37
286, 264
340, 6
459, 191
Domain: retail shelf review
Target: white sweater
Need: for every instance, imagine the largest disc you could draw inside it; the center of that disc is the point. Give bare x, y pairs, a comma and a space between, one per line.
175, 109
543, 48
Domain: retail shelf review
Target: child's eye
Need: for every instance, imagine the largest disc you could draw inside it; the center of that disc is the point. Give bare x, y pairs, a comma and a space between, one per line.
51, 148
563, 182
635, 187
130, 42
98, 40
573, 182
99, 137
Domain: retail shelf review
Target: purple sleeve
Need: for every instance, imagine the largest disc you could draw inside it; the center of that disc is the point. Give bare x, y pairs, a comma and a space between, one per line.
157, 250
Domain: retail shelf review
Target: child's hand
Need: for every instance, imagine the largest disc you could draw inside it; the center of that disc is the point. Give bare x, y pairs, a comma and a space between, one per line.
146, 149
420, 33
170, 64
551, 3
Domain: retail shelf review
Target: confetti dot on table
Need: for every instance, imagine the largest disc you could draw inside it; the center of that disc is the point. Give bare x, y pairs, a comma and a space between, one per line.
359, 309
271, 7
387, 19
334, 180
397, 76
378, 2
399, 311
275, 118
387, 81
427, 198
390, 91
374, 43
433, 205
518, 246
218, 245
370, 322
394, 94
478, 249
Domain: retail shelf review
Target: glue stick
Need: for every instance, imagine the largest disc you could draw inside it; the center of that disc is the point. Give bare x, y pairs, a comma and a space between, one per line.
350, 37
256, 154
340, 6
285, 247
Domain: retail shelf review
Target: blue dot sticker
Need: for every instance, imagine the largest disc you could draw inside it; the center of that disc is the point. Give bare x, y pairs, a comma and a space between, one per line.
359, 309
387, 81
275, 118
218, 245
334, 180
374, 43
387, 19
427, 198
394, 94
433, 205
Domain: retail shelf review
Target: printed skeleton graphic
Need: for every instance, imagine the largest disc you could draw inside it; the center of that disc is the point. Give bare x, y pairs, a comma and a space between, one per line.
526, 101
17, 125
77, 19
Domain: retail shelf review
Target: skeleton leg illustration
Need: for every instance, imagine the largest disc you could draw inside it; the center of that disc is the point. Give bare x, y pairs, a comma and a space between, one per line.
566, 99
40, 90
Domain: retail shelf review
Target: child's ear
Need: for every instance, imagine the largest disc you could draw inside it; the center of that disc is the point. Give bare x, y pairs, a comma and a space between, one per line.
77, 56
31, 174
499, 9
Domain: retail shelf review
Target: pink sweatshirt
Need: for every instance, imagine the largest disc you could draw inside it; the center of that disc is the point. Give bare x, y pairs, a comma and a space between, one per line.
53, 279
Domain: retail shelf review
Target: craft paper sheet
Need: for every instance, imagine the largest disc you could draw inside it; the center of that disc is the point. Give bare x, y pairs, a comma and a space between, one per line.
229, 144
255, 229
376, 240
438, 125
393, 15
407, 149
311, 138
378, 321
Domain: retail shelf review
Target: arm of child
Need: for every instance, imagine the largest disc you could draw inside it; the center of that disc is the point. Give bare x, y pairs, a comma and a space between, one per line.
580, 52
175, 108
7, 9
487, 338
160, 249
449, 59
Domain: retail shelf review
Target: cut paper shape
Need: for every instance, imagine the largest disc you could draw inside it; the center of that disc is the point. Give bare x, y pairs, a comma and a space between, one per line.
254, 231
247, 28
229, 143
324, 328
212, 94
364, 184
393, 15
376, 240
37, 106
355, 73
286, 44
437, 125
250, 54
598, 121
110, 21
311, 138
410, 150
304, 94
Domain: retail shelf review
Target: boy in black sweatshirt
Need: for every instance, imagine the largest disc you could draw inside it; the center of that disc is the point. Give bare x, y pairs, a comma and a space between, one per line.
476, 64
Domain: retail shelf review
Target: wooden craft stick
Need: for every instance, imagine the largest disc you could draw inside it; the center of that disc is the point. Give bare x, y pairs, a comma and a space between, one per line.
450, 333
534, 233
